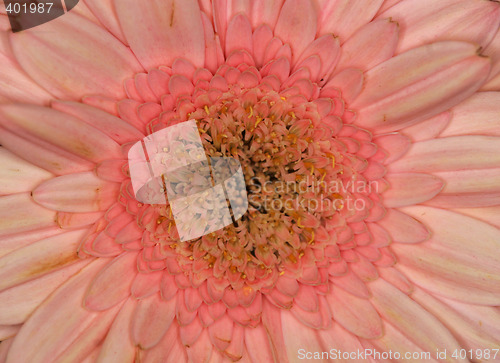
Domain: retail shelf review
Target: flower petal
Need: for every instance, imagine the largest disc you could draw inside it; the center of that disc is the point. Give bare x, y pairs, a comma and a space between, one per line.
296, 336
443, 74
450, 263
416, 323
112, 284
63, 309
82, 192
104, 10
173, 31
371, 45
82, 59
410, 188
39, 258
450, 153
151, 320
19, 302
470, 20
60, 130
355, 314
430, 128
297, 14
483, 108
349, 82
344, 17
403, 228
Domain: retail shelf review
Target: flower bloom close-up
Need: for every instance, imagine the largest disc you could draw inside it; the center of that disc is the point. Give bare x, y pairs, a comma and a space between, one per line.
365, 135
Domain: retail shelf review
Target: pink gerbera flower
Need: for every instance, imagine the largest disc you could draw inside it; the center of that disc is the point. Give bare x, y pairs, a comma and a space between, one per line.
368, 134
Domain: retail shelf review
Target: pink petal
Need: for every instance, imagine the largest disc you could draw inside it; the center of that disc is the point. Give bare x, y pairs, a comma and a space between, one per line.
104, 10
396, 145
220, 332
344, 340
38, 259
117, 129
469, 331
146, 284
151, 320
266, 12
14, 242
83, 192
271, 320
410, 188
173, 31
355, 314
296, 336
19, 302
95, 62
483, 108
349, 82
8, 331
450, 263
236, 348
471, 21
430, 128
450, 153
371, 45
60, 130
493, 51
52, 159
488, 214
214, 56
77, 220
118, 346
167, 348
443, 75
403, 228
112, 284
344, 17
239, 35
17, 175
257, 344
297, 14
412, 320
63, 309
201, 350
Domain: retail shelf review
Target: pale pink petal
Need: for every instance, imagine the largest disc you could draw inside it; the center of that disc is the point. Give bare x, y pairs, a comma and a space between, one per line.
151, 320
118, 346
410, 188
84, 347
266, 12
443, 75
235, 350
60, 130
469, 332
344, 17
221, 331
470, 20
297, 14
8, 331
113, 283
67, 220
86, 50
297, 336
169, 343
355, 314
117, 129
46, 156
404, 228
395, 145
62, 309
493, 51
4, 349
173, 31
19, 302
239, 35
488, 214
450, 153
104, 10
430, 128
478, 115
83, 192
39, 259
146, 284
412, 320
371, 45
201, 350
214, 55
450, 263
257, 344
343, 341
349, 82
17, 175
271, 320
14, 242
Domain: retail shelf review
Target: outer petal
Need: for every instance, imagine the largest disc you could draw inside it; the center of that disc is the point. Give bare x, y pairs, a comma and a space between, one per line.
63, 310
297, 14
443, 74
82, 59
174, 30
452, 264
83, 192
104, 10
344, 17
410, 188
474, 21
